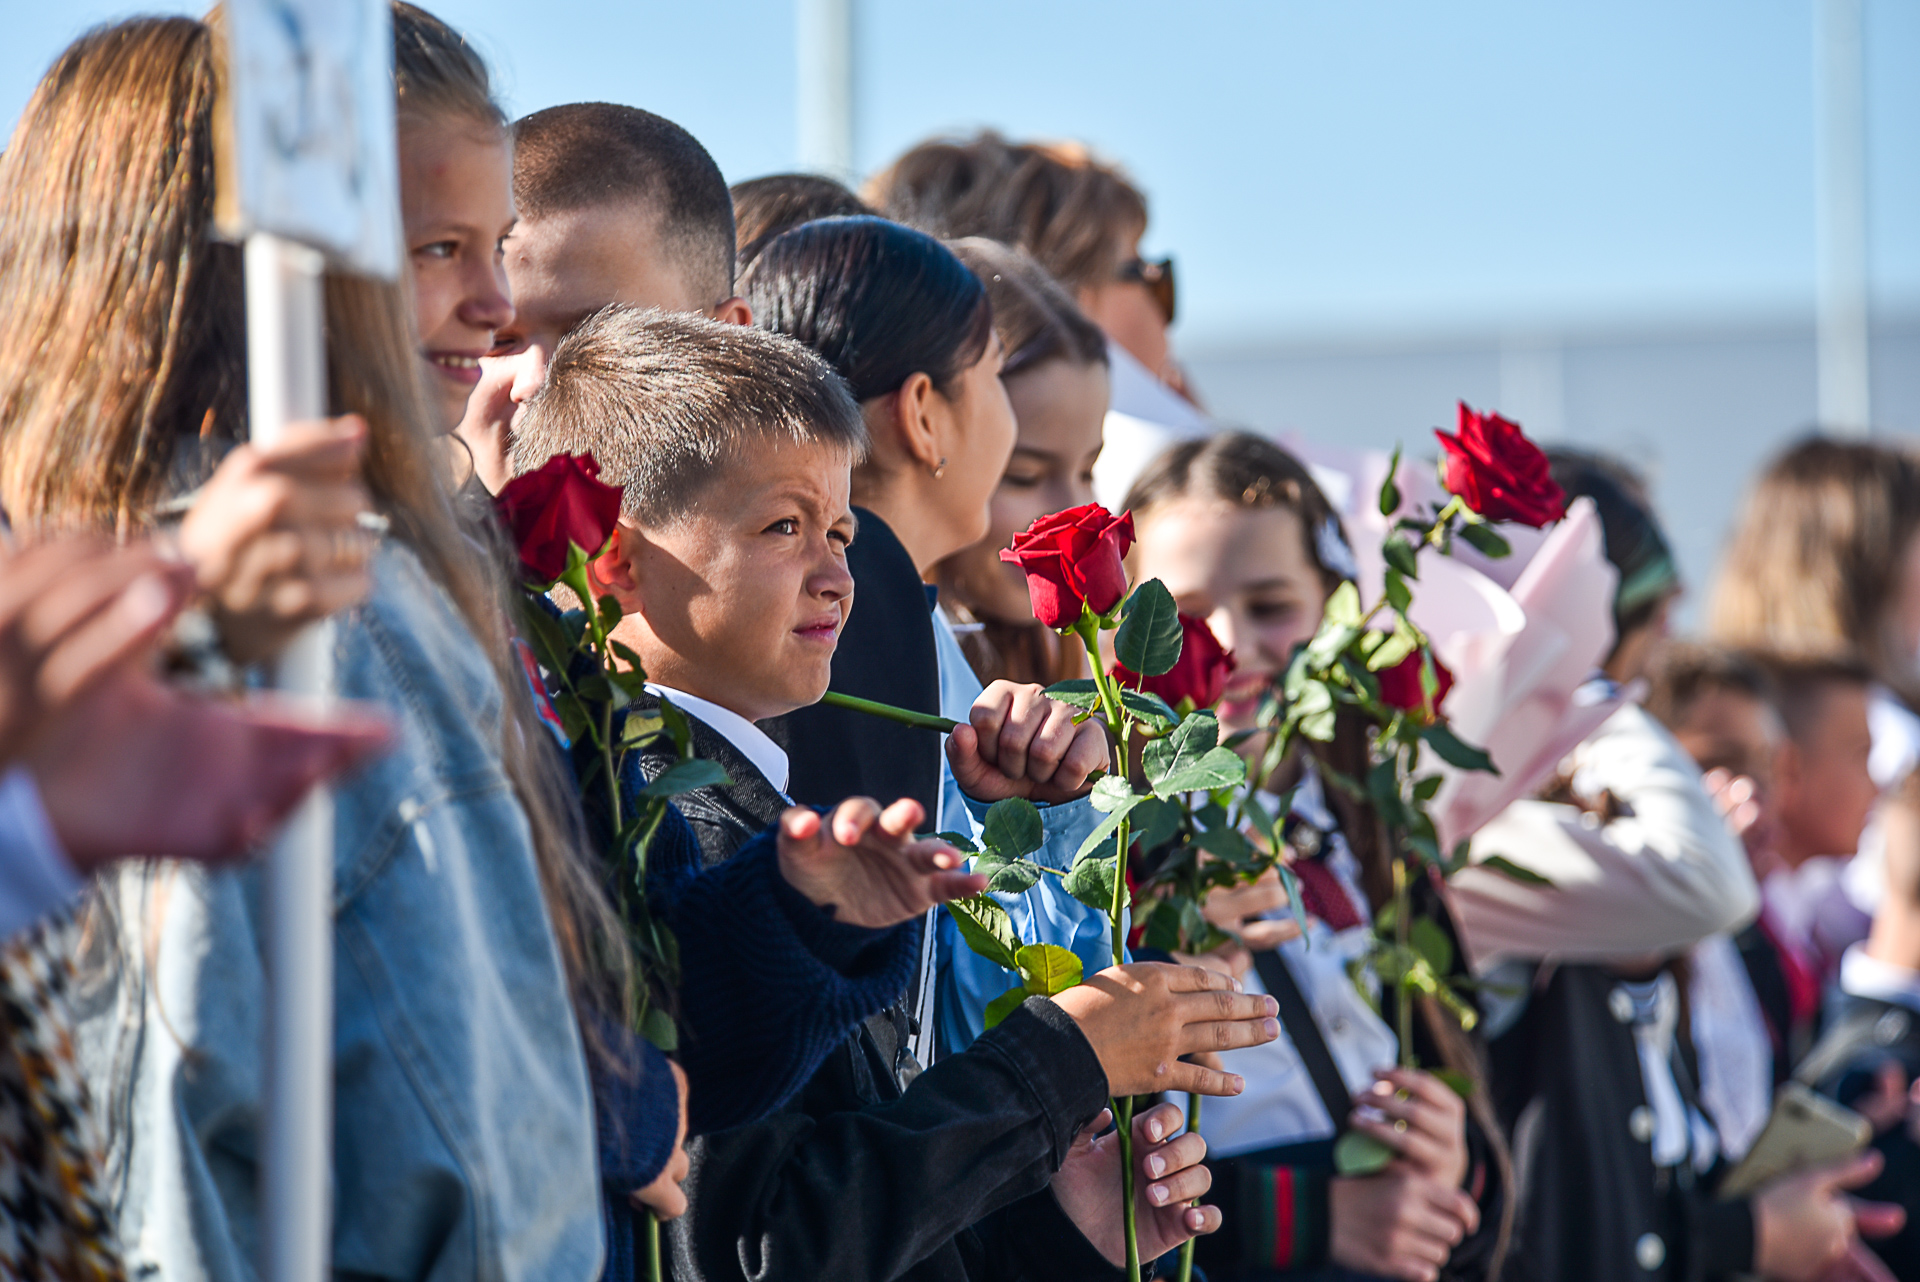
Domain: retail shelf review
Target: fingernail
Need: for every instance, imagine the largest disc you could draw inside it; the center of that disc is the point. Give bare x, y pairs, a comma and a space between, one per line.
1271, 1028
145, 601
1156, 1165
1159, 1194
1236, 1083
1155, 1130
1238, 987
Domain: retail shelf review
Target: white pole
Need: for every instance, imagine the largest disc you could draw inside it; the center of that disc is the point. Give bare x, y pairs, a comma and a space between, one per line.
286, 382
824, 49
1840, 217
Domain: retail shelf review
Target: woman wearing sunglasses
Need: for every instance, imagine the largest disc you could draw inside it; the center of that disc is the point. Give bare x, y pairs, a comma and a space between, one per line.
1083, 220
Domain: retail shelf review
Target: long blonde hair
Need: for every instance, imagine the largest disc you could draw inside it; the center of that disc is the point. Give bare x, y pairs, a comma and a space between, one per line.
123, 375
1816, 562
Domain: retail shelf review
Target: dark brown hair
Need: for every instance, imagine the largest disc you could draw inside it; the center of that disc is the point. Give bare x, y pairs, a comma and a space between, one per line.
1689, 670
665, 402
765, 207
1248, 471
1036, 320
1801, 686
123, 371
1071, 211
590, 154
1815, 563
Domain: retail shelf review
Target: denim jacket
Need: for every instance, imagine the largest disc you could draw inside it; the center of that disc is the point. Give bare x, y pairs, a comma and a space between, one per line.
463, 1140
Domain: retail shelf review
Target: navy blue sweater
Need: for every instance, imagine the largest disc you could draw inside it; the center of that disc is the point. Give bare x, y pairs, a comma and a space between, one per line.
770, 984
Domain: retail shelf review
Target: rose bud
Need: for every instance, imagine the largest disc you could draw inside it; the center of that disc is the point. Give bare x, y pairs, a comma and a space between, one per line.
1400, 686
563, 503
1200, 674
1073, 558
1499, 473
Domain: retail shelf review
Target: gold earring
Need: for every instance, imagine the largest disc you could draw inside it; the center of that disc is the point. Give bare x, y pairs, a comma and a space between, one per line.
940, 471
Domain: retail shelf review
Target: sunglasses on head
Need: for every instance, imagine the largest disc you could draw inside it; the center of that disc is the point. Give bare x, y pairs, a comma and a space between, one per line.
1157, 277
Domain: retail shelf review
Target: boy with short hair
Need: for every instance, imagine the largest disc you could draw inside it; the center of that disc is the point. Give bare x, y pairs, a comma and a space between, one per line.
735, 449
618, 205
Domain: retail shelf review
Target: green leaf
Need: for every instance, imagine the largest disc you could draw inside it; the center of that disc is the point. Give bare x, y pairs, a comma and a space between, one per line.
987, 929
1456, 1081
1013, 828
610, 614
1424, 789
1398, 645
1400, 555
1229, 845
1006, 1003
1112, 792
639, 729
1148, 641
1291, 884
657, 1027
1163, 927
1343, 607
1456, 751
1108, 826
686, 776
1090, 880
1047, 968
1432, 943
1188, 760
959, 841
1390, 492
1154, 824
1007, 876
1485, 539
1078, 693
1357, 1153
1507, 868
1398, 594
548, 639
1150, 708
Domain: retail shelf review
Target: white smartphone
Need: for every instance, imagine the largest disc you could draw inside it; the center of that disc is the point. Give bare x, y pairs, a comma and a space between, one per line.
1805, 1129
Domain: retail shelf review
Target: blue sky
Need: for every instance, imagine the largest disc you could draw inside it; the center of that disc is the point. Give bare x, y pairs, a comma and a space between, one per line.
1317, 166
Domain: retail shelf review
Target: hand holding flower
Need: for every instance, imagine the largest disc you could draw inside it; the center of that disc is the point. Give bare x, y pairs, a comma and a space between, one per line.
1020, 743
862, 864
1167, 1176
664, 1197
1142, 1017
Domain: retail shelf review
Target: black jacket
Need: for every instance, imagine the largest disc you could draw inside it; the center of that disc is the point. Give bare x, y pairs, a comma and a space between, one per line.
1865, 1035
1592, 1205
862, 1179
886, 653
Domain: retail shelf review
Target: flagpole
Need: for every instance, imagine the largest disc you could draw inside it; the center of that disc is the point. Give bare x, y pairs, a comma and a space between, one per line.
286, 383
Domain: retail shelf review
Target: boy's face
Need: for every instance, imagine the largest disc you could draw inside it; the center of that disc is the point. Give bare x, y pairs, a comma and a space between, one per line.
742, 600
1824, 790
1731, 730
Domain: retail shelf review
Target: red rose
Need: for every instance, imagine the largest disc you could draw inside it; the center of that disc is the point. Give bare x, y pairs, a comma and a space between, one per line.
562, 504
1073, 557
1501, 474
1200, 674
1400, 685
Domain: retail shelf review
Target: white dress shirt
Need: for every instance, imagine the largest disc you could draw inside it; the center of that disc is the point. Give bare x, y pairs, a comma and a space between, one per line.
1864, 976
35, 877
749, 740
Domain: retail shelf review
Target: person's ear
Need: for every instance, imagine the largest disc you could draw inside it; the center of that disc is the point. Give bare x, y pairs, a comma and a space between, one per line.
733, 311
612, 574
919, 421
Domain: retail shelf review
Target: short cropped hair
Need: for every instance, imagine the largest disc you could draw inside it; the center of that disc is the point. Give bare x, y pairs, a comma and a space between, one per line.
1689, 671
765, 207
589, 154
665, 400
1801, 686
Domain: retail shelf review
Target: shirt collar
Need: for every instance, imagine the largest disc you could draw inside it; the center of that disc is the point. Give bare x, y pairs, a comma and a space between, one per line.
1864, 976
749, 740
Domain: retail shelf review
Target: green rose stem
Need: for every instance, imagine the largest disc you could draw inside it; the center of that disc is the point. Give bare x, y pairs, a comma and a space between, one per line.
1088, 630
1403, 1009
905, 716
